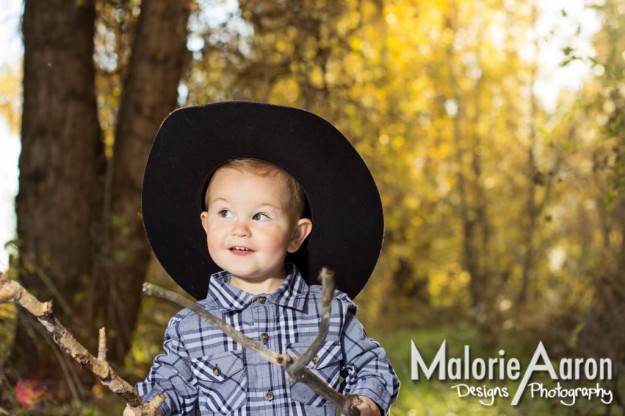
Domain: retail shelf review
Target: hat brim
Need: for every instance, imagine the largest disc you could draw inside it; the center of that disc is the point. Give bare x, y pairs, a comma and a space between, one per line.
343, 199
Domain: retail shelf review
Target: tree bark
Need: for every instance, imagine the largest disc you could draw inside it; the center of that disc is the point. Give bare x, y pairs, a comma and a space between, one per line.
150, 92
57, 200
80, 228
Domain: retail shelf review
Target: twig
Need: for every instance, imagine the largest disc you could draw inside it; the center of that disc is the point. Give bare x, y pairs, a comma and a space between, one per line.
326, 277
294, 366
12, 291
266, 353
297, 369
102, 344
346, 403
69, 372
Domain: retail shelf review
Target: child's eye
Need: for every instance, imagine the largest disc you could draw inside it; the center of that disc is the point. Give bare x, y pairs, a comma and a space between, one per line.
261, 217
224, 213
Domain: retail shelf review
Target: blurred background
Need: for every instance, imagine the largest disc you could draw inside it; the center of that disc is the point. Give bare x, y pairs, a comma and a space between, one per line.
495, 130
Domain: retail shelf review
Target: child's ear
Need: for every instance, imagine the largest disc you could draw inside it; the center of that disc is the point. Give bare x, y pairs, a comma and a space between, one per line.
300, 232
203, 217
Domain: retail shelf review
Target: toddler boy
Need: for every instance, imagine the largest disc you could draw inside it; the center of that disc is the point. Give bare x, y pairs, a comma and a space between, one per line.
263, 227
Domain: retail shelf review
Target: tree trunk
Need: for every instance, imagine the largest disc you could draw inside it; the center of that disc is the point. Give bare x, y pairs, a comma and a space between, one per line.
150, 92
63, 196
57, 200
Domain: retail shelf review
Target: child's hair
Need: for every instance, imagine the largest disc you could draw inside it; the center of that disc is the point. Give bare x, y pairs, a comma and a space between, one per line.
297, 203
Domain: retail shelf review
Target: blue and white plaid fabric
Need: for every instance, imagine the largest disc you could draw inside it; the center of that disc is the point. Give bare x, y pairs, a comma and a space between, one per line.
203, 372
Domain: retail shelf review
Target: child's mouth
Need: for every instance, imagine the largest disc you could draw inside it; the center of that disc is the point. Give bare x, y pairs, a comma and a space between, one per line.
239, 250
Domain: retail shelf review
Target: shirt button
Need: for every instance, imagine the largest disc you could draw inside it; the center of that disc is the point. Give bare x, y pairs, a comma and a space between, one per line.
261, 300
216, 371
315, 359
269, 396
264, 337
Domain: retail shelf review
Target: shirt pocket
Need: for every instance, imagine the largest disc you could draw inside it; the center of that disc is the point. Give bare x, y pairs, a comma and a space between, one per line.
326, 364
222, 382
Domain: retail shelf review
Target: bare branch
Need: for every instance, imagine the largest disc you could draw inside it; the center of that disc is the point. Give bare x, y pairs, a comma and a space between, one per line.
346, 403
297, 369
326, 277
150, 408
294, 366
237, 336
102, 344
12, 291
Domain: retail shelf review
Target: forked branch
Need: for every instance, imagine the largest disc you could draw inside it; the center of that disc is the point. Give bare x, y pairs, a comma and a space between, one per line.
11, 291
294, 366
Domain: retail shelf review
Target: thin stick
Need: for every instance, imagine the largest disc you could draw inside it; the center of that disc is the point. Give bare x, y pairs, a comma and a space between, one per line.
102, 344
12, 291
346, 403
266, 353
294, 366
326, 277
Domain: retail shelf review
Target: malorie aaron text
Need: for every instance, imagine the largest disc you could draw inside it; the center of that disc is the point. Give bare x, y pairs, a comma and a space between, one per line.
503, 368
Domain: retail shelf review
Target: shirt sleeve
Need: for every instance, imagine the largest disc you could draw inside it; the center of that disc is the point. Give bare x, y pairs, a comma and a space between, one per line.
368, 370
171, 374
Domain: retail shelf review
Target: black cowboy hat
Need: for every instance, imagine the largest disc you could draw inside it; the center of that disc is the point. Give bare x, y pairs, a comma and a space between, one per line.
193, 142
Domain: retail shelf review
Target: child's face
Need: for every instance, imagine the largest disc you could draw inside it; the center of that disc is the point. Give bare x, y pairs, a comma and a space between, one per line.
249, 225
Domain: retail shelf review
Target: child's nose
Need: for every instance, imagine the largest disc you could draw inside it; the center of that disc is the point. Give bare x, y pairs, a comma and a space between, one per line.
240, 229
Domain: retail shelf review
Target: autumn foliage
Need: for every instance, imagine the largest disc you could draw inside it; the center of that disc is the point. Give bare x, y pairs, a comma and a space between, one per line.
504, 202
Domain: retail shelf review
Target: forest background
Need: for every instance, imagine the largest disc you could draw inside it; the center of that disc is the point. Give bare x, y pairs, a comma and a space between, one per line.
504, 203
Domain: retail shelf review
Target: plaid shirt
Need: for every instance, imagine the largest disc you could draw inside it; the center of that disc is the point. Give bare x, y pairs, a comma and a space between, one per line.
203, 372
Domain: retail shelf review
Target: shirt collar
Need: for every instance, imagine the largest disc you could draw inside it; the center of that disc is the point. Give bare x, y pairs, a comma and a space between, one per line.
290, 294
